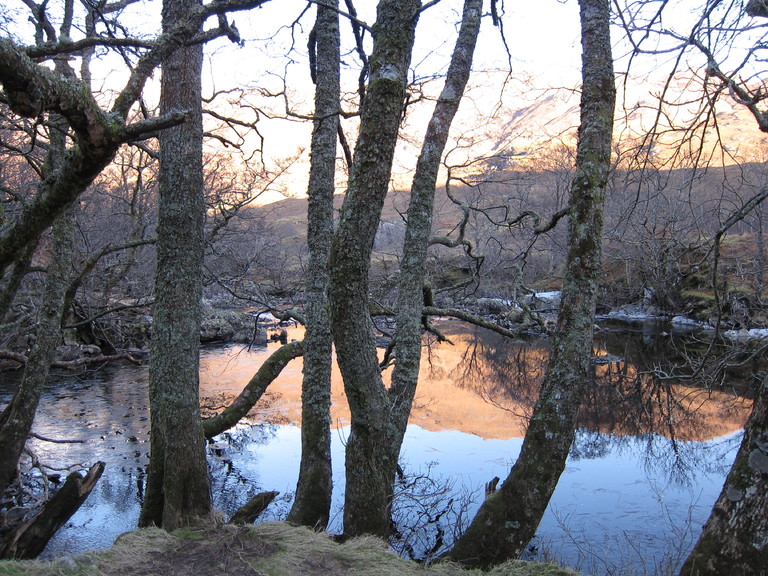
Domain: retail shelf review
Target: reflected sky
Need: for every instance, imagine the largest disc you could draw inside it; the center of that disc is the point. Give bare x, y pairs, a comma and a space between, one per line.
640, 481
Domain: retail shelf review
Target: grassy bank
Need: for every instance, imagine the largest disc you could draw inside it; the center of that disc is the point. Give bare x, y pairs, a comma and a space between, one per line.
274, 549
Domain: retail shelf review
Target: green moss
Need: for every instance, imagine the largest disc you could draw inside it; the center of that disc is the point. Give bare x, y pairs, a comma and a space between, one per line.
189, 534
706, 295
15, 569
741, 476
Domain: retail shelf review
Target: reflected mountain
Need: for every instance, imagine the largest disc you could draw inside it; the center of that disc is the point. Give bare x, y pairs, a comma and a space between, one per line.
483, 384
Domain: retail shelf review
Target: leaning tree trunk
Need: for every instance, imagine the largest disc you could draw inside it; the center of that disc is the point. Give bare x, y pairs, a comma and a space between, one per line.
18, 416
177, 488
508, 518
410, 302
312, 504
368, 462
735, 538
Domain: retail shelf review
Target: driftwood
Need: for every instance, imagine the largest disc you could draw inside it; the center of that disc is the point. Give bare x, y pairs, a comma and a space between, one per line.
247, 513
75, 364
29, 539
72, 364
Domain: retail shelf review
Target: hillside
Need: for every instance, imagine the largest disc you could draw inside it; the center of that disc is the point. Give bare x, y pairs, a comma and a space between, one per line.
657, 239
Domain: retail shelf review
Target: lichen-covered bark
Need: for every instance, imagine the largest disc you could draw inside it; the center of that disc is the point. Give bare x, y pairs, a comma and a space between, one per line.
177, 488
312, 504
33, 89
368, 464
410, 303
17, 418
507, 520
379, 417
735, 537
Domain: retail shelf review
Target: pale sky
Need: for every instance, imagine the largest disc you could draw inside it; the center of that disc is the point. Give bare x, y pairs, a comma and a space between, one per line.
538, 101
542, 37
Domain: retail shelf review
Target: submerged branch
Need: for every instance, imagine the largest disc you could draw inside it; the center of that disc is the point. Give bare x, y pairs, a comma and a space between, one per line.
71, 364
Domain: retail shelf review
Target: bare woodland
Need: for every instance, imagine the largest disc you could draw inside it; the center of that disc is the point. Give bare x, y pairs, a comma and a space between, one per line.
139, 193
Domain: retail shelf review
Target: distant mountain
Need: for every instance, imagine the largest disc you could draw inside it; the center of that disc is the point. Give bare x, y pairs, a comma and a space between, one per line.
529, 125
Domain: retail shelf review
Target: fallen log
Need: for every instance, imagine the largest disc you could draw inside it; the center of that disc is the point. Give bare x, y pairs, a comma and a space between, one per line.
253, 390
72, 364
29, 539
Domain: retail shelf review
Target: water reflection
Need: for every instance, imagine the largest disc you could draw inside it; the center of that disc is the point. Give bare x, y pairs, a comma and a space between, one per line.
647, 464
626, 403
625, 397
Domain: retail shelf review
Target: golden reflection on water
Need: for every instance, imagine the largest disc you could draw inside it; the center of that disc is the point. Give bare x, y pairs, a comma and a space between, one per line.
486, 386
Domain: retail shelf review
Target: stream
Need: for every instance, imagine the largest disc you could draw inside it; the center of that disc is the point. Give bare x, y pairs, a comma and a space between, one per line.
649, 459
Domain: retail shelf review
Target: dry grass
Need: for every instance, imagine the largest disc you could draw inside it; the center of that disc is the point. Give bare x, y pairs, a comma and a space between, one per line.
273, 549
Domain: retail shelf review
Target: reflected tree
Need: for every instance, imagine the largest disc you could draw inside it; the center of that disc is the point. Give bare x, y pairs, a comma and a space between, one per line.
724, 49
380, 414
34, 90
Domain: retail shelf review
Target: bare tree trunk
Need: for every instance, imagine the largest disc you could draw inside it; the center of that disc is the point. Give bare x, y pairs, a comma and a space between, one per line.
410, 303
735, 538
380, 416
508, 518
177, 481
368, 463
312, 503
17, 418
760, 260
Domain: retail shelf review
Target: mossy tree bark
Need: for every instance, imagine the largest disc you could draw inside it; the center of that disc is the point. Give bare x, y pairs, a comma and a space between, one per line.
369, 466
17, 418
312, 503
735, 537
410, 303
508, 518
177, 488
380, 416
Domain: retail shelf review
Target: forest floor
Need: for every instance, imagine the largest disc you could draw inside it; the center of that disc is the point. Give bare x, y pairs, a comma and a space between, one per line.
273, 549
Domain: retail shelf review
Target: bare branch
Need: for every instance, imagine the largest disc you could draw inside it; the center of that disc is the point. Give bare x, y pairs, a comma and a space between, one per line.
69, 47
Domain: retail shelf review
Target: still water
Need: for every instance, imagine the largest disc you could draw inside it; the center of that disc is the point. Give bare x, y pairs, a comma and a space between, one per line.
648, 463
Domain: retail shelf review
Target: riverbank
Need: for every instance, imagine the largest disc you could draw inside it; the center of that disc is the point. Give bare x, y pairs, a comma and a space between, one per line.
272, 549
127, 335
